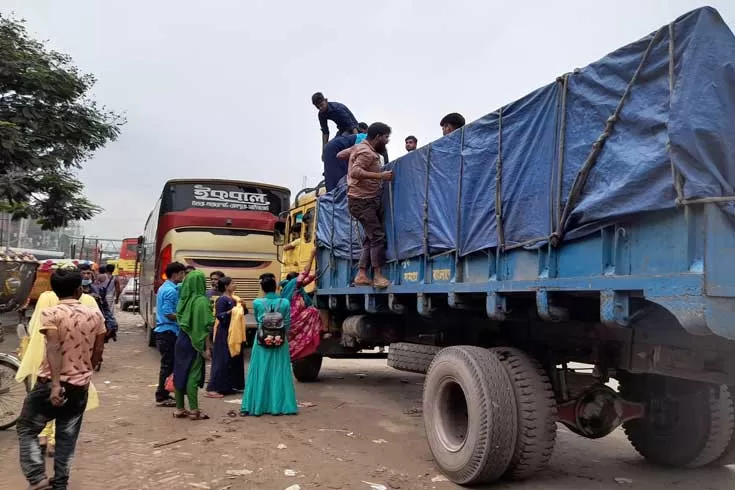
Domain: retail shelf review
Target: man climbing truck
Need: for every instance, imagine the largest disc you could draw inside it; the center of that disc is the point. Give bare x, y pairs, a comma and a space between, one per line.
592, 221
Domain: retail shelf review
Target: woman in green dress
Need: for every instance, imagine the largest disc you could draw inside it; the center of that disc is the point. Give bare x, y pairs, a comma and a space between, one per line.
269, 388
194, 316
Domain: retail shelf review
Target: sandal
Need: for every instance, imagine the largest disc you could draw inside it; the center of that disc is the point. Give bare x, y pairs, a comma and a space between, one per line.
213, 394
382, 283
42, 485
167, 403
364, 281
181, 413
198, 415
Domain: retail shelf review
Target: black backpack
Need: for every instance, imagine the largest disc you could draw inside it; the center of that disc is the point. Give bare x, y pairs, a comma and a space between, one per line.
271, 332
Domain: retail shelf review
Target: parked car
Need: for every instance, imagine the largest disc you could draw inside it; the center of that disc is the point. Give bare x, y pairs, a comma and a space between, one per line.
129, 296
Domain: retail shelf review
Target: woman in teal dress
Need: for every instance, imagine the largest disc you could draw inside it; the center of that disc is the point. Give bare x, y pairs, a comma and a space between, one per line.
269, 388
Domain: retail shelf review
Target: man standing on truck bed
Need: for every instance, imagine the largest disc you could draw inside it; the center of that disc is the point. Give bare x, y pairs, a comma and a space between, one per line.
347, 131
338, 113
364, 201
451, 122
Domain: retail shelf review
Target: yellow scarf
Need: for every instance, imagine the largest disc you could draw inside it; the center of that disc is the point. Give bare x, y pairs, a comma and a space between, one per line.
236, 335
35, 350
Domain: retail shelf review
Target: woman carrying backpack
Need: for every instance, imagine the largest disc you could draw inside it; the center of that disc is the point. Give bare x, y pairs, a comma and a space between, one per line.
269, 388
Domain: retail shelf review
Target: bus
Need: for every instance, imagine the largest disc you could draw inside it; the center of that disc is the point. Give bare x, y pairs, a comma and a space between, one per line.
211, 225
127, 265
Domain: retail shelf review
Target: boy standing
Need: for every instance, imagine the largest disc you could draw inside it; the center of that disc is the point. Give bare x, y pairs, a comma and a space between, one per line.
75, 339
364, 201
167, 328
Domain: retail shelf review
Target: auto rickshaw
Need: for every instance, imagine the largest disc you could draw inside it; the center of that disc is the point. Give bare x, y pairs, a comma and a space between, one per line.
43, 276
17, 273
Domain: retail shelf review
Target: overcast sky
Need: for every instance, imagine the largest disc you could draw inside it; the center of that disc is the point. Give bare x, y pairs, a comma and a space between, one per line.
221, 88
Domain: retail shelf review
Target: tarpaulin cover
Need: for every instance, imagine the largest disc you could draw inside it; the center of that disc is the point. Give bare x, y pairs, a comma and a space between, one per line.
443, 196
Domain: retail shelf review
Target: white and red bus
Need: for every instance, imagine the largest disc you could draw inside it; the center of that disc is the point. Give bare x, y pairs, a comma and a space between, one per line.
211, 225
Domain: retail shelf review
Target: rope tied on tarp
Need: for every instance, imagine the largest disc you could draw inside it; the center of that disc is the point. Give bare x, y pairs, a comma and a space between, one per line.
581, 179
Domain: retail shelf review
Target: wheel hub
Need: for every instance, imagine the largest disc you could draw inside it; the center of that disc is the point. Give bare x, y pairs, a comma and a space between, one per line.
451, 412
597, 412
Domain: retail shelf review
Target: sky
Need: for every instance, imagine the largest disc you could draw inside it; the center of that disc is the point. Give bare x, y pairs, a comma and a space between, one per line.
222, 88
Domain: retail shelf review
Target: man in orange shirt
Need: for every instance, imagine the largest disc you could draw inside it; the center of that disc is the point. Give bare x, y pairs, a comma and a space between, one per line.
75, 339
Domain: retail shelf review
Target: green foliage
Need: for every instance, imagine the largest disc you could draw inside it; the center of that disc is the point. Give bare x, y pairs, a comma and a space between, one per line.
48, 128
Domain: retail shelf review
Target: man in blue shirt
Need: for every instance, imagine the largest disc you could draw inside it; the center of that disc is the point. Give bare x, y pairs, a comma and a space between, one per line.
338, 113
167, 329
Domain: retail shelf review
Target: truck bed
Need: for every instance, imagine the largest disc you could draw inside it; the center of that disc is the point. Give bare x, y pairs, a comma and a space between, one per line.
614, 183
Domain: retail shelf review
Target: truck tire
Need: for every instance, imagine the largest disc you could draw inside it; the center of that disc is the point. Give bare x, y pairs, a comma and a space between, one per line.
306, 370
728, 457
537, 415
413, 358
470, 415
687, 425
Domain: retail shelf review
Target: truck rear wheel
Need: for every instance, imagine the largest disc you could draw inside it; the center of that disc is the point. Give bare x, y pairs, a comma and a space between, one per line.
413, 358
470, 414
306, 370
537, 413
687, 424
728, 457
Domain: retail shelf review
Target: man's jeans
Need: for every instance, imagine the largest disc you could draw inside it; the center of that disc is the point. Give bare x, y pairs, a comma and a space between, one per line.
37, 412
166, 344
110, 324
369, 213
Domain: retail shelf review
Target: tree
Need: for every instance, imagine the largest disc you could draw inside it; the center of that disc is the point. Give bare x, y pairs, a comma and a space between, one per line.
49, 126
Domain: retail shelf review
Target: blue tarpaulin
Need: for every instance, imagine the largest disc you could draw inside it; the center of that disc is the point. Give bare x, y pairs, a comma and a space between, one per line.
665, 128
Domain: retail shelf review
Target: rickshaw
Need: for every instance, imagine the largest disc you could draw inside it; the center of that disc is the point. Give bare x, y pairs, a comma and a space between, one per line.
43, 276
17, 272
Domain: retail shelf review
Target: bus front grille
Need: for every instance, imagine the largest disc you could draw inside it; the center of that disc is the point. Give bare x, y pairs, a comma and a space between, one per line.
247, 289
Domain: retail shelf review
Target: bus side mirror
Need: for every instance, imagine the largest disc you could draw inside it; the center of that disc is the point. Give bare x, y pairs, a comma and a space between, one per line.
279, 234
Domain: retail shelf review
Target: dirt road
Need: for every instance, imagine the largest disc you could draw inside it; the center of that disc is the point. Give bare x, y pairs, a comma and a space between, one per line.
363, 429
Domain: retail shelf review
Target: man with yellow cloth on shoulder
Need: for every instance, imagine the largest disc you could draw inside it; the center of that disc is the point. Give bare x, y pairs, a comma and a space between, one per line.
33, 353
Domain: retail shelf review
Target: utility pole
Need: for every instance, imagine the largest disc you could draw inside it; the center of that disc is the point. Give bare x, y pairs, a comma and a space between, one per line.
21, 231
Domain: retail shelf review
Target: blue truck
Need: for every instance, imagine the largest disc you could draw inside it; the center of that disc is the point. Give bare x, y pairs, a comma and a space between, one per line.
590, 223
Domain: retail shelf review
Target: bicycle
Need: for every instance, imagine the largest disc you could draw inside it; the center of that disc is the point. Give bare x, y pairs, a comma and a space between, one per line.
12, 393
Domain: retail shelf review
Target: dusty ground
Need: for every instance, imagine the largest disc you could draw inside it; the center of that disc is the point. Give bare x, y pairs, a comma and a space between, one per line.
362, 430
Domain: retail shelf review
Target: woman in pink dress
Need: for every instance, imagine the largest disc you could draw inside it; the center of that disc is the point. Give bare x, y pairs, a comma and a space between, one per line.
306, 324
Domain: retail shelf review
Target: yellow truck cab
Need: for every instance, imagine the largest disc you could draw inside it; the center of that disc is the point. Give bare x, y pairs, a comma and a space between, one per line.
298, 238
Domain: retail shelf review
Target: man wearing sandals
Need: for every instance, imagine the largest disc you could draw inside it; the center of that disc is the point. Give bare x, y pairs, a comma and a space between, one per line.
167, 329
364, 201
75, 339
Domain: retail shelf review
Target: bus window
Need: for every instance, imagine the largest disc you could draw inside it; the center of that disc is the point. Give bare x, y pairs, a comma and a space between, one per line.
308, 221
